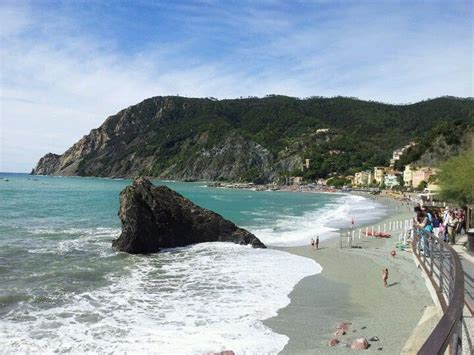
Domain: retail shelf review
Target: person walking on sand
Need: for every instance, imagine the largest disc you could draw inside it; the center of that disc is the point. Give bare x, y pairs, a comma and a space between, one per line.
317, 242
385, 277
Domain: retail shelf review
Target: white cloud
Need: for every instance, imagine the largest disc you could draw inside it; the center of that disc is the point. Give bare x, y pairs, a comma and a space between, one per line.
58, 81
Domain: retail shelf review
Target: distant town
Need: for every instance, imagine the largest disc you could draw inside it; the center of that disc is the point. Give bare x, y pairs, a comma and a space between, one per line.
413, 178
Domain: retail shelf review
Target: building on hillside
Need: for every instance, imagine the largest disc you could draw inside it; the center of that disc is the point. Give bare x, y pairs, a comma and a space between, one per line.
408, 175
358, 178
422, 174
396, 156
370, 177
379, 174
397, 153
322, 130
363, 178
391, 180
295, 180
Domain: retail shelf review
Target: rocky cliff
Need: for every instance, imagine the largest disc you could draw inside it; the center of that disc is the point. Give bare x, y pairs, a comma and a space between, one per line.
137, 141
48, 165
250, 139
228, 160
158, 217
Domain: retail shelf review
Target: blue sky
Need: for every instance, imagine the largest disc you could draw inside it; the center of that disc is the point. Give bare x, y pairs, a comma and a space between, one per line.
67, 65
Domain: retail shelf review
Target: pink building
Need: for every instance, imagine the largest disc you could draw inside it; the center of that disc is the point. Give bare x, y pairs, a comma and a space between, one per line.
420, 175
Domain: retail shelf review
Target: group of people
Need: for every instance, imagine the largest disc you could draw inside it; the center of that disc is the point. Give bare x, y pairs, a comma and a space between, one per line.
445, 223
315, 243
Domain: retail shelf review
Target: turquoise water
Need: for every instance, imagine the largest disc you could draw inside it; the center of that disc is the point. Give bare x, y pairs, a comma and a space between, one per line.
64, 288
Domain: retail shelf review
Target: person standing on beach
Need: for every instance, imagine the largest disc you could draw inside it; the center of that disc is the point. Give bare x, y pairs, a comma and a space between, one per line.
317, 242
312, 243
385, 277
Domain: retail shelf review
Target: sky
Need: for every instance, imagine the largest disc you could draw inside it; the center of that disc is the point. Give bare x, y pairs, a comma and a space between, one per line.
65, 66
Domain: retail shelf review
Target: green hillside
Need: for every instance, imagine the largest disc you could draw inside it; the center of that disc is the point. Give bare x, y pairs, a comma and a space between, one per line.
188, 138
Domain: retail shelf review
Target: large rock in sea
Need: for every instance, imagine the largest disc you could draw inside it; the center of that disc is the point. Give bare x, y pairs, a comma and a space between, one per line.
155, 217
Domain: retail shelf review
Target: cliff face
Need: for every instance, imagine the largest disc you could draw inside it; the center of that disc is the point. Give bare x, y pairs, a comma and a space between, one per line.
106, 150
228, 160
146, 139
250, 139
47, 165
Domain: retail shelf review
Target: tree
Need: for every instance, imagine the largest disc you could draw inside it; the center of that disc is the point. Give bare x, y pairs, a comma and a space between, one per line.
422, 185
400, 180
433, 179
338, 182
254, 175
456, 178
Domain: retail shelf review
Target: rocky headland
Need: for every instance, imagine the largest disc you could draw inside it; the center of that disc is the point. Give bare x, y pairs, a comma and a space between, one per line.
257, 139
155, 217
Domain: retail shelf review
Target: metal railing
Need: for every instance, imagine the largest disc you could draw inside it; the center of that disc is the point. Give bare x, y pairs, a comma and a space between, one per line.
442, 266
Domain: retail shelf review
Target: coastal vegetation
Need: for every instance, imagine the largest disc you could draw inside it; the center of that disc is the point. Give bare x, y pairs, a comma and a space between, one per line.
338, 182
456, 178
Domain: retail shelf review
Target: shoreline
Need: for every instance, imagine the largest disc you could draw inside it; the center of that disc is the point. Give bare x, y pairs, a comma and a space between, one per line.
350, 288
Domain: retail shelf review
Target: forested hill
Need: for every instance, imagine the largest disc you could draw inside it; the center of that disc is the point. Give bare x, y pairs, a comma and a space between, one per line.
256, 138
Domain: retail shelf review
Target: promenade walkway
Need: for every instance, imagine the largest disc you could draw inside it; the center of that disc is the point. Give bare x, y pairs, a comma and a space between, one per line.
467, 260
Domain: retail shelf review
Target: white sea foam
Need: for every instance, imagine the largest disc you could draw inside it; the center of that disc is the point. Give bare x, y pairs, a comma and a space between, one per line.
207, 297
291, 230
79, 239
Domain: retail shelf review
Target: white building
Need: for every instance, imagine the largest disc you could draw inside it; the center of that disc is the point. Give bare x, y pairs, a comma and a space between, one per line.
379, 173
408, 175
363, 178
391, 180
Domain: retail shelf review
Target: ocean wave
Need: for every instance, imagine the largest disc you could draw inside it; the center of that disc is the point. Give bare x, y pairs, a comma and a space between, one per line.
204, 298
96, 240
324, 221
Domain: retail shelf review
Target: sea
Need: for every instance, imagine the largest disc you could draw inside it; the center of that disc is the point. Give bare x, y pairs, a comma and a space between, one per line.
63, 288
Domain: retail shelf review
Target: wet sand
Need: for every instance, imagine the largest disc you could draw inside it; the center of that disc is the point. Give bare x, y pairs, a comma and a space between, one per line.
350, 288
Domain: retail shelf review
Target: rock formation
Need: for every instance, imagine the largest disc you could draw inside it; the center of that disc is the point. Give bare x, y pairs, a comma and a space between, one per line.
228, 160
47, 165
158, 217
154, 138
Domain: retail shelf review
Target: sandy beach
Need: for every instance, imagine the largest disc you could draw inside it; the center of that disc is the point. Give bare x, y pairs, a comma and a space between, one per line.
350, 288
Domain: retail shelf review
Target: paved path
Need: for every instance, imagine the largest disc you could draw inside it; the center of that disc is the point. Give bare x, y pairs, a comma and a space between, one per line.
467, 260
